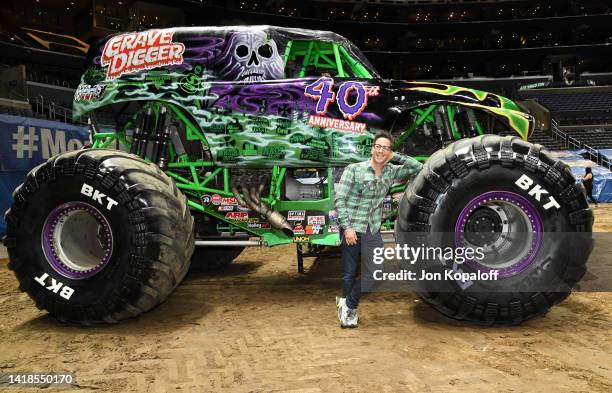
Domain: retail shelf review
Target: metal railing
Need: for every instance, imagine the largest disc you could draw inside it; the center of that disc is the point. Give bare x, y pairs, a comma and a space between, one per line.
572, 143
53, 111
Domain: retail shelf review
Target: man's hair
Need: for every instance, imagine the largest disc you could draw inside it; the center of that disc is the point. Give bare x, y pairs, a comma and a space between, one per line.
386, 135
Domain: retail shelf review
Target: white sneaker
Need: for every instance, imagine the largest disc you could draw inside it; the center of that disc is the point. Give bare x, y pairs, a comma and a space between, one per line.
346, 316
352, 318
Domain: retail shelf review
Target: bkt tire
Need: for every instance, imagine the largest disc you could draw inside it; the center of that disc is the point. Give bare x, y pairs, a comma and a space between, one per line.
98, 236
517, 203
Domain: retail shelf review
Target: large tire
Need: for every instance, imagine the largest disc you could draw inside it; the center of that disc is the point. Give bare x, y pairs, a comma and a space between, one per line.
485, 180
98, 236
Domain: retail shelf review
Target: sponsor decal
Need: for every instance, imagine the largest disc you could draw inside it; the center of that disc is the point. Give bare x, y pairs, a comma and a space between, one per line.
333, 229
55, 286
313, 229
242, 209
299, 229
225, 208
89, 92
300, 239
254, 225
206, 199
397, 196
97, 196
242, 216
342, 125
265, 225
316, 220
333, 215
537, 192
296, 215
228, 201
216, 199
386, 206
133, 52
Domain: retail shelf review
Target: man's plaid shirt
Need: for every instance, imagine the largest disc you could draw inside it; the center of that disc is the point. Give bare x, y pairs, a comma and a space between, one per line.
360, 194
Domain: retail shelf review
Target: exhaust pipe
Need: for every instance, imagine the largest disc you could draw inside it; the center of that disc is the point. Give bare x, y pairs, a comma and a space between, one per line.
252, 200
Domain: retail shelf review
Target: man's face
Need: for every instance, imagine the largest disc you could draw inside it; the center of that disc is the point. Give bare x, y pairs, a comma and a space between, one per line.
381, 151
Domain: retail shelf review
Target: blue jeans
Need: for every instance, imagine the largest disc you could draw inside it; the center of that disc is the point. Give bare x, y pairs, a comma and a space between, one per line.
351, 284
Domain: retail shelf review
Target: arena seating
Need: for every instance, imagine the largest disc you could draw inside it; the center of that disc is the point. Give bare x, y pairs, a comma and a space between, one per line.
592, 101
597, 138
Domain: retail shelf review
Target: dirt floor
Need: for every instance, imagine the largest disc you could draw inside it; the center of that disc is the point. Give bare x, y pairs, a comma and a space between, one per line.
260, 326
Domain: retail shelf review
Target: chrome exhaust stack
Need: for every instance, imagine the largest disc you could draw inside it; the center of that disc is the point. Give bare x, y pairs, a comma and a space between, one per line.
252, 200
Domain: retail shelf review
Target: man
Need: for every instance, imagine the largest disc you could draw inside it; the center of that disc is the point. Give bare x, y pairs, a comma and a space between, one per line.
359, 198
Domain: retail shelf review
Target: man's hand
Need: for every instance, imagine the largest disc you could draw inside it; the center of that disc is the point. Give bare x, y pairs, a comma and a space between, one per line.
350, 236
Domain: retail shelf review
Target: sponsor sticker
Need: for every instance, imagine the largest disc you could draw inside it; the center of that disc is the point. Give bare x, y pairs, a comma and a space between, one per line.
206, 199
333, 215
225, 208
216, 199
242, 216
300, 239
254, 225
133, 52
316, 220
228, 201
333, 229
299, 229
313, 229
89, 92
296, 215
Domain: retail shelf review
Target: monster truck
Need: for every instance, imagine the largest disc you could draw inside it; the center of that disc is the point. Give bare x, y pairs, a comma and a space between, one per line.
227, 137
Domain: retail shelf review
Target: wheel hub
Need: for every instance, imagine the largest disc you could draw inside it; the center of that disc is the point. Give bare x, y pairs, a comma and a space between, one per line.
77, 240
506, 226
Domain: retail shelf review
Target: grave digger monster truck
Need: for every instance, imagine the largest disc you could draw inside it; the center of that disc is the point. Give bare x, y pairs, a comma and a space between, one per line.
223, 135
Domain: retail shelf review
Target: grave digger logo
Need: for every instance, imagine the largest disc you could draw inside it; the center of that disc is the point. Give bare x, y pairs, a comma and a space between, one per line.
135, 52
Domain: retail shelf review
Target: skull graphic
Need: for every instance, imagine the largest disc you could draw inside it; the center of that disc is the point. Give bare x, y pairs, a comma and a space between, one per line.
257, 56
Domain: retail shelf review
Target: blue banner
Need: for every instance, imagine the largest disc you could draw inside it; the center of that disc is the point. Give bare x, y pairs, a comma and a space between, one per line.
26, 142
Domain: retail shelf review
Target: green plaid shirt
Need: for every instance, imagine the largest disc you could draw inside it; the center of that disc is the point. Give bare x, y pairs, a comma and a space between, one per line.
360, 194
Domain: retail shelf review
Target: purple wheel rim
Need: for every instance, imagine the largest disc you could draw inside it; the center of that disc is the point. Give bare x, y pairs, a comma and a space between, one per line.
52, 243
518, 202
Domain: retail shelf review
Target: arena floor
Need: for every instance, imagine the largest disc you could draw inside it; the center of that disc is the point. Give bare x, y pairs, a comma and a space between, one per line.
261, 326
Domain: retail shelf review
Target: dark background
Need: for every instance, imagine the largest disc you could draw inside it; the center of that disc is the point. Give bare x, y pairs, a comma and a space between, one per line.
403, 39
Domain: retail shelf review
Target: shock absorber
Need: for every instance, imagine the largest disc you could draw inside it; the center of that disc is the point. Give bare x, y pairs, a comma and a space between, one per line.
140, 147
158, 136
162, 150
136, 138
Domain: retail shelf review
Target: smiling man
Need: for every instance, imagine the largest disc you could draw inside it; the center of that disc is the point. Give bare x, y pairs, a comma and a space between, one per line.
359, 198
